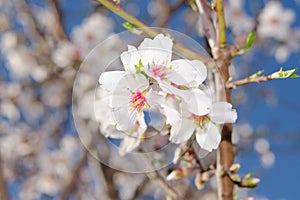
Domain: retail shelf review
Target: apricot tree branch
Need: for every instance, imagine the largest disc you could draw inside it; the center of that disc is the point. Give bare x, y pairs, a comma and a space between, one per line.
221, 26
134, 21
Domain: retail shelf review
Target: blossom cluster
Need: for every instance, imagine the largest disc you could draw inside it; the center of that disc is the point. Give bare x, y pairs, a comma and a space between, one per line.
153, 82
35, 93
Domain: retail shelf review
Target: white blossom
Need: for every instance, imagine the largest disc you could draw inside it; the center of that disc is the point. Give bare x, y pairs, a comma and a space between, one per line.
93, 30
151, 80
65, 54
275, 21
236, 18
204, 126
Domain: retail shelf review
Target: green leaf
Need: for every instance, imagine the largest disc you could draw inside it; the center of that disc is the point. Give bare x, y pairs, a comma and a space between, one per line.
257, 74
139, 70
132, 28
285, 74
235, 177
235, 167
252, 182
249, 43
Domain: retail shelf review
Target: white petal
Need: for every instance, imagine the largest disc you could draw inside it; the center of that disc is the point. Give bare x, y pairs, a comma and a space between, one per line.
184, 94
133, 136
209, 138
182, 131
133, 82
171, 114
130, 58
199, 102
201, 71
154, 99
185, 71
120, 98
129, 144
109, 80
158, 50
222, 112
123, 118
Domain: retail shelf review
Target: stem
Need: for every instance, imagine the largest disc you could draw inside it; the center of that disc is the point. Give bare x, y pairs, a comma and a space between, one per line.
76, 173
221, 26
161, 180
59, 18
247, 80
131, 19
226, 151
209, 29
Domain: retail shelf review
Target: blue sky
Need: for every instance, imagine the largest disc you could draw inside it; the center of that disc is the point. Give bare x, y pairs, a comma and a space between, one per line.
281, 181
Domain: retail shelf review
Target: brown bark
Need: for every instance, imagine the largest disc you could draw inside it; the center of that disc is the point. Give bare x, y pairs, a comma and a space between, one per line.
225, 156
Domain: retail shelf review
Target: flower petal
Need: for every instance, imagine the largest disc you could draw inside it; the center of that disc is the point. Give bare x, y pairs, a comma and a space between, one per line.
128, 144
184, 94
185, 71
109, 80
171, 114
208, 138
222, 112
123, 118
133, 136
133, 82
158, 50
199, 102
182, 131
130, 58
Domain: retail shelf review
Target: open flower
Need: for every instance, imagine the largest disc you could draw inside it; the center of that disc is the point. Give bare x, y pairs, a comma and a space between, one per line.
204, 126
153, 82
130, 95
178, 77
275, 21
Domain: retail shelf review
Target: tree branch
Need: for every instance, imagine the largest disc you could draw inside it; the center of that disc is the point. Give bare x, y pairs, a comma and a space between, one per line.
76, 173
59, 19
221, 26
209, 29
247, 80
160, 179
226, 151
131, 19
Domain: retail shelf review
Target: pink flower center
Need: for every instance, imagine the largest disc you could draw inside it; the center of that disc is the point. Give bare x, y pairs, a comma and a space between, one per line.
159, 71
138, 101
274, 21
89, 37
77, 53
200, 120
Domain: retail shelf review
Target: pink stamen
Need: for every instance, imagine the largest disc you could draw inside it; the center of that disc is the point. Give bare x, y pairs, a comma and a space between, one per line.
138, 100
200, 120
159, 72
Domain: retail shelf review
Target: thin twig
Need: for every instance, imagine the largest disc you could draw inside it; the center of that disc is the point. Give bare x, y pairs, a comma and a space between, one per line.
59, 19
221, 26
76, 173
209, 29
247, 80
161, 180
131, 19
